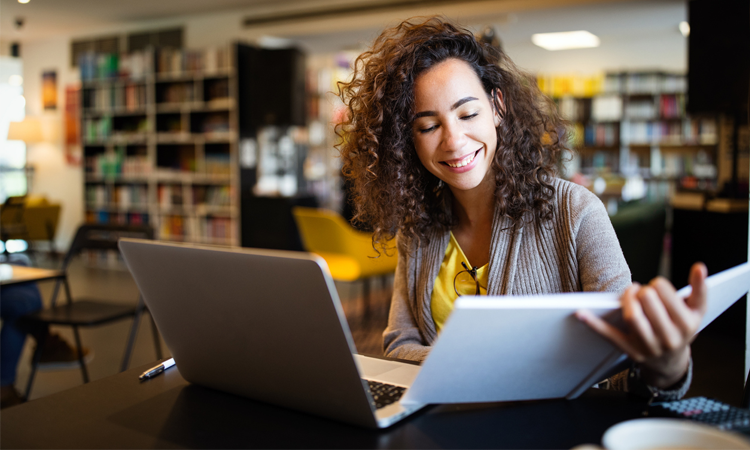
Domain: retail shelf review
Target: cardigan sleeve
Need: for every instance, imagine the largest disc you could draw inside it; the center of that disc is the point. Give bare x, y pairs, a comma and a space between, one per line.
601, 264
401, 338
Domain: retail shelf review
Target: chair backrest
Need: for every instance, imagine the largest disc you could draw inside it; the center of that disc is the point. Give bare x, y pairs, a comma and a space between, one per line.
41, 221
98, 236
12, 225
325, 231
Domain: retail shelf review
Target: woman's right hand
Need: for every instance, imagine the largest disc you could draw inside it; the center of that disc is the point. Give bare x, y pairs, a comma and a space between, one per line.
660, 326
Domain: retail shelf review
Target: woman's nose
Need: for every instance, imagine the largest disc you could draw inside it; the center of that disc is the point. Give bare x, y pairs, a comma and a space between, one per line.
454, 137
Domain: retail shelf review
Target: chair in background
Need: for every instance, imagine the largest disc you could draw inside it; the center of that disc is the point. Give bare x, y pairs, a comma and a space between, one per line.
91, 312
31, 219
348, 252
12, 223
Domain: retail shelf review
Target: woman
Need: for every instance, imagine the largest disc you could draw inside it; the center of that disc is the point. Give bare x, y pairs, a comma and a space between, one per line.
449, 146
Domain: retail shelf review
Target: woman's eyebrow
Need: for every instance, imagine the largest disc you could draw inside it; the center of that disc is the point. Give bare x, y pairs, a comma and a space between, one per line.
455, 105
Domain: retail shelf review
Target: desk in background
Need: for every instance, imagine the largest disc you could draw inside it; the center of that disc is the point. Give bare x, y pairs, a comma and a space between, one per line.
166, 411
15, 274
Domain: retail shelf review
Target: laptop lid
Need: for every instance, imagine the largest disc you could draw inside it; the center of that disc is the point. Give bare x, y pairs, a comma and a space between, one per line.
262, 324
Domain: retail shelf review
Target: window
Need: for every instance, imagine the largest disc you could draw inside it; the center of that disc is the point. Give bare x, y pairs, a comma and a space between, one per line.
12, 153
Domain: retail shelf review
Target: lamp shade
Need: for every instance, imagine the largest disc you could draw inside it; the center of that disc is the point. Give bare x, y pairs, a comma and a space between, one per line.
29, 130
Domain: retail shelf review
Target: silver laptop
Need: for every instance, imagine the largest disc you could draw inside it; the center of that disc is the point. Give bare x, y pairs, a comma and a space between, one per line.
266, 325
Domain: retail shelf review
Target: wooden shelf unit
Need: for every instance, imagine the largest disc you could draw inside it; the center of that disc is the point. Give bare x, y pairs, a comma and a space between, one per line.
161, 147
635, 123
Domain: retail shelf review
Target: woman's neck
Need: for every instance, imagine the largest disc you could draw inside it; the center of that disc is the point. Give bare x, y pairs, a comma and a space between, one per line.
475, 210
474, 207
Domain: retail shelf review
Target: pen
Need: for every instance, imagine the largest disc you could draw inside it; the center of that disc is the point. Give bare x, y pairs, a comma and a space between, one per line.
154, 371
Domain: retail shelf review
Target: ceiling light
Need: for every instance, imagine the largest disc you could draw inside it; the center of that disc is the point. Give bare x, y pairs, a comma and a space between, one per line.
565, 40
23, 1
685, 28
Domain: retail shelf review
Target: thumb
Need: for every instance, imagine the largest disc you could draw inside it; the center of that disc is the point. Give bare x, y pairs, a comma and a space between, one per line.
697, 299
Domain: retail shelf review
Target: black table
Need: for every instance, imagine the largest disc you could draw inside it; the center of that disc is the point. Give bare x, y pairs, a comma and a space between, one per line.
167, 412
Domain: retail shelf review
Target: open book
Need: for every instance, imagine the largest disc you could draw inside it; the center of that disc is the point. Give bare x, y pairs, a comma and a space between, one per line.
532, 347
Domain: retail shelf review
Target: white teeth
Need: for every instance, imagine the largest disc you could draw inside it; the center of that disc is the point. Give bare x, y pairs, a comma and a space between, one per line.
469, 158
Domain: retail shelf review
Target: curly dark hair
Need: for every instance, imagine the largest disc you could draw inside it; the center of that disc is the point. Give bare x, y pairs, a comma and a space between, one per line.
392, 191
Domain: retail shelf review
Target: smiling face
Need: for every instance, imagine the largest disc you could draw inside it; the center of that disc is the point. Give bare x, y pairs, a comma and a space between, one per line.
454, 130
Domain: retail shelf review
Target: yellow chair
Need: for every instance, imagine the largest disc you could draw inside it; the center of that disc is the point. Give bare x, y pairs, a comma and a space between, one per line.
29, 218
348, 252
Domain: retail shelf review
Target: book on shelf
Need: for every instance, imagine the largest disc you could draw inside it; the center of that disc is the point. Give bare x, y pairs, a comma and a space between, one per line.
218, 165
97, 195
172, 227
130, 196
124, 196
672, 106
170, 195
114, 98
139, 218
112, 164
103, 66
216, 122
601, 135
97, 129
216, 228
210, 60
216, 89
640, 110
559, 85
176, 92
606, 108
139, 65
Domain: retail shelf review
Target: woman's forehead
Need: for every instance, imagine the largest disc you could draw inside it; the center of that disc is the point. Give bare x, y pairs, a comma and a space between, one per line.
447, 82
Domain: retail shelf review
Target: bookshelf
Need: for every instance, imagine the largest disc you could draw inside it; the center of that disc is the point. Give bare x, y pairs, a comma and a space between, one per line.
160, 142
634, 124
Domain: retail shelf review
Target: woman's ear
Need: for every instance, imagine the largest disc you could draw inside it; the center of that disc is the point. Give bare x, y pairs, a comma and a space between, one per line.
498, 103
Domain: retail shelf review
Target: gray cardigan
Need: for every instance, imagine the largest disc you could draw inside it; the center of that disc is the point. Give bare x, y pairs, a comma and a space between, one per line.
576, 251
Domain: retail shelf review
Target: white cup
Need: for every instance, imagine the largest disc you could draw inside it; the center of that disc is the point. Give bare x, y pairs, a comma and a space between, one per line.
663, 434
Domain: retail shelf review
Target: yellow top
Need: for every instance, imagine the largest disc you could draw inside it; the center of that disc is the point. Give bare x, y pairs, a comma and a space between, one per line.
443, 293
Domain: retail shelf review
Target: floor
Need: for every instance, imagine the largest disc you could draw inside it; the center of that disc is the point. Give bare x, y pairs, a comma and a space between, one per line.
113, 282
718, 356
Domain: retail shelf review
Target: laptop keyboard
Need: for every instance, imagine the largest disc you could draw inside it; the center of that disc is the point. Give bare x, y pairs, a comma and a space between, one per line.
384, 394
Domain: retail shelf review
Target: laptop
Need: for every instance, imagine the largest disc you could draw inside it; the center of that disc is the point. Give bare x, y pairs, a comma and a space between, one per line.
267, 325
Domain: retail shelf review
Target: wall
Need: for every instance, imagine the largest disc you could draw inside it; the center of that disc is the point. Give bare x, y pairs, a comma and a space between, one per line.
53, 177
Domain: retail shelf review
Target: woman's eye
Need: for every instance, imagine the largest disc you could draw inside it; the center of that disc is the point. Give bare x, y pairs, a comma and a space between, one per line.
470, 116
427, 130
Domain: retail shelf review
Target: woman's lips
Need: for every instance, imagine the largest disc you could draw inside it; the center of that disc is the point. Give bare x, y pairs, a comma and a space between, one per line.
461, 162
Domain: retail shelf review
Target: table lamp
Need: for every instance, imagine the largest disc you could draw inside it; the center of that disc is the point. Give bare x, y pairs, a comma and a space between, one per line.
29, 130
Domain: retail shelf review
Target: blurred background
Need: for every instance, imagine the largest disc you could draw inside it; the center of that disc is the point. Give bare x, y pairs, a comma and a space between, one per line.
210, 121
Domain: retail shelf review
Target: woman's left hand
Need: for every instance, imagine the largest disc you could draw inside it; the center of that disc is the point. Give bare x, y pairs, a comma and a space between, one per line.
659, 326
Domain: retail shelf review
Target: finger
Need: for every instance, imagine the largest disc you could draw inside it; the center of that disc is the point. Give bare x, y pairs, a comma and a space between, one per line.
612, 334
697, 299
638, 323
680, 314
668, 336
